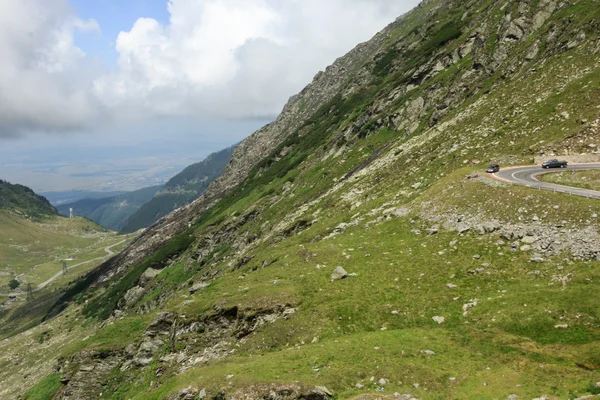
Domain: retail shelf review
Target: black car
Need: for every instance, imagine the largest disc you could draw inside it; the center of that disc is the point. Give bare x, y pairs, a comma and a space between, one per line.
492, 168
554, 164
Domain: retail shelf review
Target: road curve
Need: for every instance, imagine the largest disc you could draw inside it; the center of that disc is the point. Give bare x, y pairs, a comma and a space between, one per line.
527, 176
42, 285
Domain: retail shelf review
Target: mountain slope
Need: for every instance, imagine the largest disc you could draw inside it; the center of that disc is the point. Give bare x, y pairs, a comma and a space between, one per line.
457, 285
23, 200
180, 190
71, 196
110, 212
31, 253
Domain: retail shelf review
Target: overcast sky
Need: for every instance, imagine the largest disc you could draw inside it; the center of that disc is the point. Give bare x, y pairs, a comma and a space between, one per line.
110, 68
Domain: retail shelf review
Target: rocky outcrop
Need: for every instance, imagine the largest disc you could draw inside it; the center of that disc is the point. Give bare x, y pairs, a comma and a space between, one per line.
260, 392
202, 339
83, 375
536, 237
160, 332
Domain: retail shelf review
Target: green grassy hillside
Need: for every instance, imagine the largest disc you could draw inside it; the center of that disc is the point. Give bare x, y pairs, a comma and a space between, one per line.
32, 253
456, 285
582, 179
21, 199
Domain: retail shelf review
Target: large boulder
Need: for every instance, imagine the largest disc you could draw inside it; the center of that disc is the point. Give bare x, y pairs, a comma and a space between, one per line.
146, 351
161, 325
133, 295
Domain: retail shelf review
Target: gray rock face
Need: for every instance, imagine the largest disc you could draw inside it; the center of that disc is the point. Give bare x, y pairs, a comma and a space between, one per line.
197, 287
149, 275
146, 351
161, 325
156, 335
133, 295
83, 373
339, 273
320, 392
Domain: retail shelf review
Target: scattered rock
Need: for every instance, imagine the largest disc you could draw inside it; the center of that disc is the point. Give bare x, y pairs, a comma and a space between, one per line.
463, 228
339, 273
432, 231
530, 239
561, 326
438, 319
197, 287
467, 306
320, 391
536, 259
188, 394
429, 352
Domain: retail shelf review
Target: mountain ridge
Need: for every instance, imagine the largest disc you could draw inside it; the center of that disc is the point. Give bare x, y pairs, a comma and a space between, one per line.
180, 190
21, 199
110, 212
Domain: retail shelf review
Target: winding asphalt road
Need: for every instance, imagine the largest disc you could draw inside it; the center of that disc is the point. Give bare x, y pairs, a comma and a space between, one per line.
42, 285
527, 176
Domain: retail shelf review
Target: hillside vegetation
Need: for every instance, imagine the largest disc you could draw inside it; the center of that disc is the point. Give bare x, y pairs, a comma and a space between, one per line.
355, 249
23, 200
111, 212
582, 179
32, 255
180, 190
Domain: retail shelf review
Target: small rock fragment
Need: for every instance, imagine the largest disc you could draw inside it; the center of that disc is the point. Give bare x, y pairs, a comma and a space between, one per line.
339, 273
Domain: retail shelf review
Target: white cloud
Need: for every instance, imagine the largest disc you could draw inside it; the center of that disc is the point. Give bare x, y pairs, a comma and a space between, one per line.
42, 82
214, 58
236, 58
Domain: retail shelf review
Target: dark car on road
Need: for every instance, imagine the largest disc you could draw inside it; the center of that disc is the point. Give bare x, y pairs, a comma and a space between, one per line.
492, 168
554, 164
